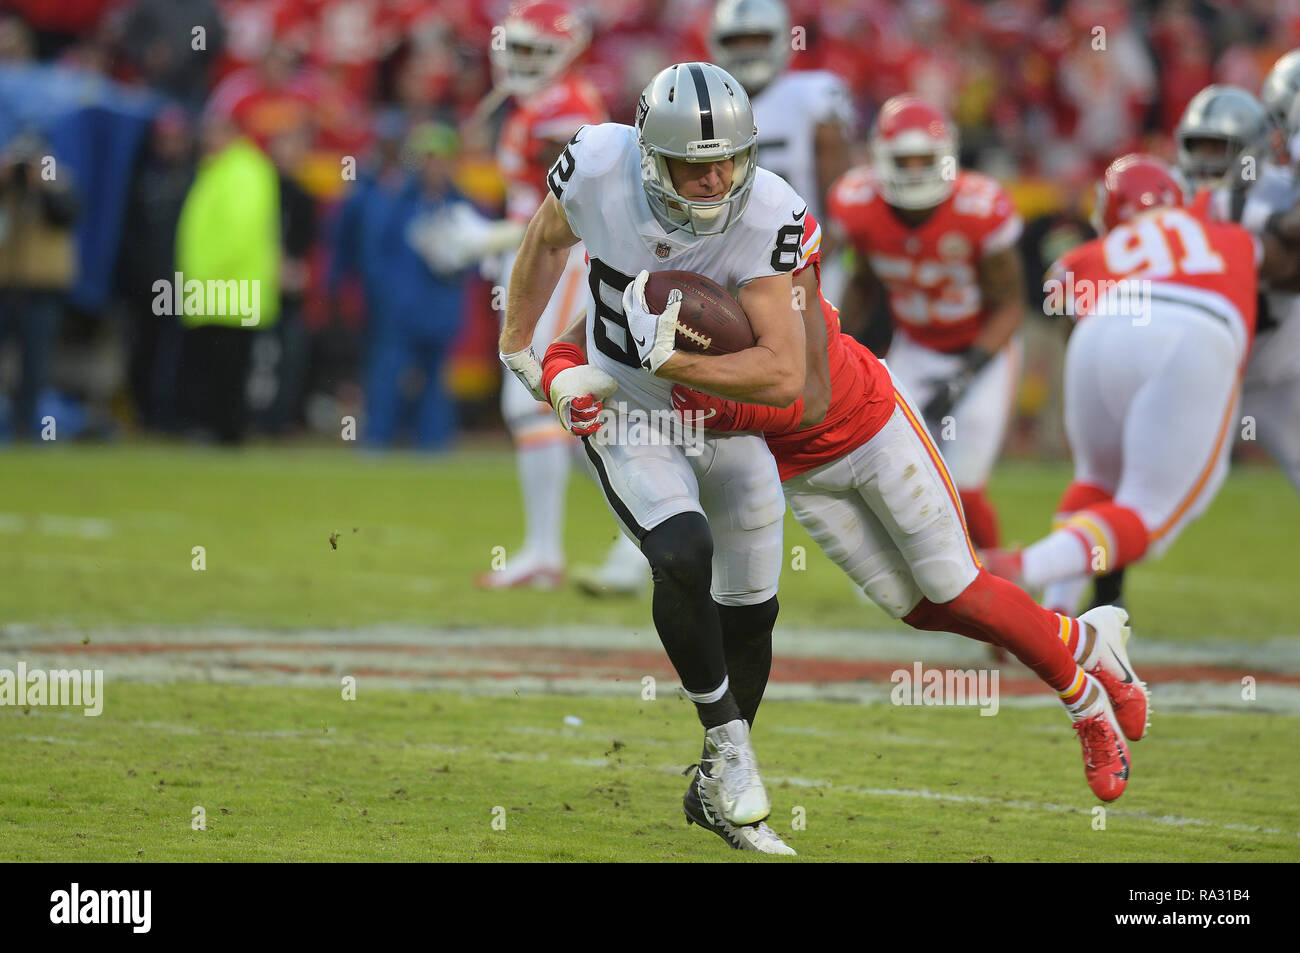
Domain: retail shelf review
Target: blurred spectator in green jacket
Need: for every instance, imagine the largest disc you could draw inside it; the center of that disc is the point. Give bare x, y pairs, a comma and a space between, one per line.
227, 286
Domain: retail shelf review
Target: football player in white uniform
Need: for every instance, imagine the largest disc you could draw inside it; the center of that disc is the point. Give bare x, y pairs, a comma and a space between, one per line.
681, 190
1271, 387
805, 117
1224, 141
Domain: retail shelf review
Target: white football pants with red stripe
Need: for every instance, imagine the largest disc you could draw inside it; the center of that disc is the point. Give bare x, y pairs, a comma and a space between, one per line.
1150, 412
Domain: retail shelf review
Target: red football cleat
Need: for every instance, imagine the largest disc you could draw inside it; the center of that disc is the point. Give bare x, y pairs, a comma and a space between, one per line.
1111, 667
1105, 756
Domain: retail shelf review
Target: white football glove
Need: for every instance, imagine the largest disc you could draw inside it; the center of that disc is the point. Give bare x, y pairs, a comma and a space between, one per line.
576, 395
525, 366
652, 334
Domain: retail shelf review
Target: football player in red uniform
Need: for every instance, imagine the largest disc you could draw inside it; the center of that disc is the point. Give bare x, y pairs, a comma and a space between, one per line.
1165, 305
862, 476
942, 241
542, 40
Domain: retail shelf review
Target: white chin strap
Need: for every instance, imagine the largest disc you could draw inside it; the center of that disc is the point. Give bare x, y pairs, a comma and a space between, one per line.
707, 214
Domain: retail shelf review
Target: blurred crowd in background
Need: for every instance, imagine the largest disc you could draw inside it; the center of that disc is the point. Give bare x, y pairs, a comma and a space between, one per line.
129, 130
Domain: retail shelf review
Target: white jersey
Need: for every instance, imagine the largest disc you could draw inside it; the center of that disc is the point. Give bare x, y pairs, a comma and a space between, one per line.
1276, 190
787, 112
597, 180
1271, 384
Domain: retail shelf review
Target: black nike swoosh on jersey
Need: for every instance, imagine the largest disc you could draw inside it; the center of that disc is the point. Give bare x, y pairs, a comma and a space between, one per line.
800, 214
1128, 679
639, 341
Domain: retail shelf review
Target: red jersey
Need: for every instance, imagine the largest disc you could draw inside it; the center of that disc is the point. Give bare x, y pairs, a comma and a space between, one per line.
1182, 253
930, 271
553, 115
862, 393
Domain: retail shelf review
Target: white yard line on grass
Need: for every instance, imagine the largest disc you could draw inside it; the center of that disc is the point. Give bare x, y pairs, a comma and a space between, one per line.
49, 524
1280, 654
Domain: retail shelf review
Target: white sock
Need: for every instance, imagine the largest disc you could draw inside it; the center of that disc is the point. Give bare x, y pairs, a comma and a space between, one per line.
707, 698
1055, 558
1064, 596
544, 479
1091, 703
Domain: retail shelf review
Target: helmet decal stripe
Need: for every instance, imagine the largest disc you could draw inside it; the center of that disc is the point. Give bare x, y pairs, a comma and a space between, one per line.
706, 104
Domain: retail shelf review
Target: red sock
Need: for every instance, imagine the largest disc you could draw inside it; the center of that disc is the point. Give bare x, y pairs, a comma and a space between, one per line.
1131, 536
981, 518
1031, 633
1078, 495
1114, 534
939, 618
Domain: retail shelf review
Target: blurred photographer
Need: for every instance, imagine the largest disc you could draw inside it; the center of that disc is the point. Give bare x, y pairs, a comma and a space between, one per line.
38, 264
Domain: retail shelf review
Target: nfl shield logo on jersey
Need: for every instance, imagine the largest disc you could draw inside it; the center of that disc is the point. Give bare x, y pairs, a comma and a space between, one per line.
662, 249
954, 245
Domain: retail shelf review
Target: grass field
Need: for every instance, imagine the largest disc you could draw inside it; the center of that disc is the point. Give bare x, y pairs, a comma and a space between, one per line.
98, 536
102, 538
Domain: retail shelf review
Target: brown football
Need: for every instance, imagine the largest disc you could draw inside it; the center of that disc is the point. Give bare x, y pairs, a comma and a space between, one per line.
710, 320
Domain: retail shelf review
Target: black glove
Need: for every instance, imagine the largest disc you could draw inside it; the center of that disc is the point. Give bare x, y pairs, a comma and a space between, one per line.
949, 390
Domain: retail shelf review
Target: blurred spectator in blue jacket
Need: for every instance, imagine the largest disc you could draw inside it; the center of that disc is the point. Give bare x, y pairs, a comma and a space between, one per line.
412, 249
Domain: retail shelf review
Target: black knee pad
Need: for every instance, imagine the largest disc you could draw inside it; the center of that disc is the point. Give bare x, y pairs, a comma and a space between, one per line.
680, 551
748, 622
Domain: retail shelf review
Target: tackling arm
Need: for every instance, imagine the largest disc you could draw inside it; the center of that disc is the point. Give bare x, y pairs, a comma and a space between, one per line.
772, 372
817, 373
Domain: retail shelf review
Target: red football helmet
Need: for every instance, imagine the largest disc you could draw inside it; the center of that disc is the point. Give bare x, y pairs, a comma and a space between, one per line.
1132, 184
909, 131
537, 42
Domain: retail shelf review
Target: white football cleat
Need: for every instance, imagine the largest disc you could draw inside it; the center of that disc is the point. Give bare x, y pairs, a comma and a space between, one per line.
625, 572
753, 837
1109, 664
524, 571
730, 786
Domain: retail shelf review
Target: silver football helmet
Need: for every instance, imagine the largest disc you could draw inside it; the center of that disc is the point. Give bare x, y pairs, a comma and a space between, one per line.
1280, 93
755, 67
1236, 129
696, 112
